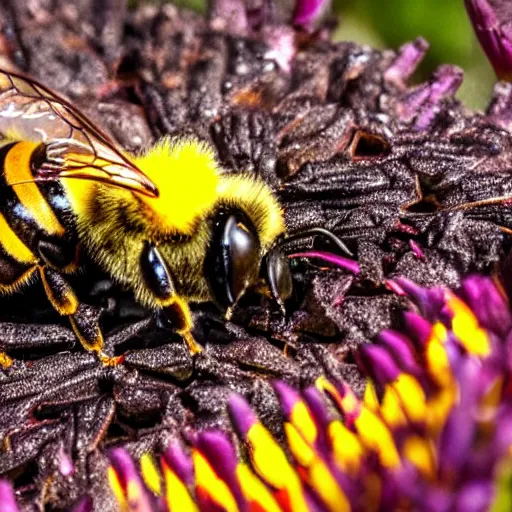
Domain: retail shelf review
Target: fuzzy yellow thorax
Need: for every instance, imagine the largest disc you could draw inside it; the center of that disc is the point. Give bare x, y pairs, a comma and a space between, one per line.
185, 173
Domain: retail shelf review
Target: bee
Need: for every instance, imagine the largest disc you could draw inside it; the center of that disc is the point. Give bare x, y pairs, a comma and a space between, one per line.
169, 224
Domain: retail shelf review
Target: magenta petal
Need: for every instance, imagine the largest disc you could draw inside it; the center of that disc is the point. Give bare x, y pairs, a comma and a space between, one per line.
7, 501
232, 12
493, 26
377, 362
221, 455
393, 285
66, 467
475, 496
127, 473
340, 261
288, 397
408, 58
417, 328
241, 414
282, 49
309, 12
400, 349
179, 462
417, 250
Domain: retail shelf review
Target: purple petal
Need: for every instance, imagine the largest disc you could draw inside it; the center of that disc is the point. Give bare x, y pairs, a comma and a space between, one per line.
377, 363
446, 81
308, 13
221, 455
430, 301
421, 105
476, 496
401, 350
340, 261
500, 107
129, 478
490, 307
458, 434
7, 501
179, 462
288, 397
503, 437
493, 27
84, 505
241, 414
316, 403
408, 58
123, 465
417, 328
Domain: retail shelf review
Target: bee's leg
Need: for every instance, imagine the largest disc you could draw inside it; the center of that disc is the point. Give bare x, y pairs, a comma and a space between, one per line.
65, 302
160, 282
177, 310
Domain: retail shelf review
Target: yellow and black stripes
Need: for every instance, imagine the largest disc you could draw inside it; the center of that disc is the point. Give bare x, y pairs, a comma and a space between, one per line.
30, 211
18, 176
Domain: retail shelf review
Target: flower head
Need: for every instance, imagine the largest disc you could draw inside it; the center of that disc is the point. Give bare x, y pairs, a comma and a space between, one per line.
432, 432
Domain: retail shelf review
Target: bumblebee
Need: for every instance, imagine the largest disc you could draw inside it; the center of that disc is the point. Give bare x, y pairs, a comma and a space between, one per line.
169, 224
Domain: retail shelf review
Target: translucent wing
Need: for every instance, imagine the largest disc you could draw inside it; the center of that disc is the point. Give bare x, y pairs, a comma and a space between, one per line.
75, 146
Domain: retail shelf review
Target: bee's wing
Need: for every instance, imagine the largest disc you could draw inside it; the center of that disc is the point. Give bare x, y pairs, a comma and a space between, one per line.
75, 146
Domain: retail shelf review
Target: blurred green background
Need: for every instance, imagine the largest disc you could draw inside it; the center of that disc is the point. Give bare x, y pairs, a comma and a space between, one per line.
390, 23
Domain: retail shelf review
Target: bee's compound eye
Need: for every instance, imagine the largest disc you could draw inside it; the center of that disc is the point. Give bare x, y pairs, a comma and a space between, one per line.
235, 254
155, 272
279, 276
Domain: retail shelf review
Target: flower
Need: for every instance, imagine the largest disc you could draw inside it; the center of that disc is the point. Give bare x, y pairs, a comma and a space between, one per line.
432, 432
492, 21
273, 22
414, 183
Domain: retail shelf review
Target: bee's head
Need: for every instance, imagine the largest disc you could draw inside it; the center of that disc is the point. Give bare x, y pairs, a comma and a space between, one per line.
236, 259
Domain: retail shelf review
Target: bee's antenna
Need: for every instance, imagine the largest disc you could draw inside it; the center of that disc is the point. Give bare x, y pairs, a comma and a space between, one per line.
316, 231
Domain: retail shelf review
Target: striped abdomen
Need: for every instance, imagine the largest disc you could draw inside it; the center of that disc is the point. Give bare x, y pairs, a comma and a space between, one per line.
36, 222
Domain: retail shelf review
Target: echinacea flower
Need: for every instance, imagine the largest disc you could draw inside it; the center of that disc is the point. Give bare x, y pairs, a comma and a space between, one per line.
416, 185
433, 431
